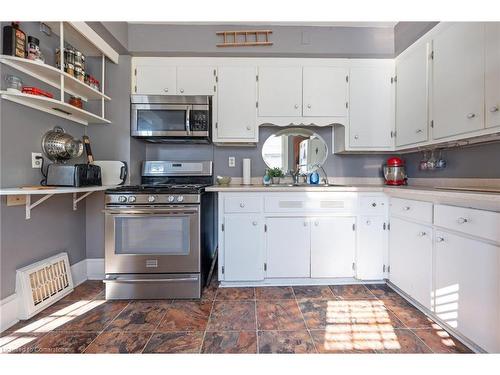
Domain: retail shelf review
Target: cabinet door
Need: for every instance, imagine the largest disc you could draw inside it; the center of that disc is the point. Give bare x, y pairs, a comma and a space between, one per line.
155, 80
333, 247
288, 247
236, 109
243, 248
466, 289
458, 79
492, 74
280, 91
196, 80
324, 91
410, 255
372, 248
412, 95
371, 107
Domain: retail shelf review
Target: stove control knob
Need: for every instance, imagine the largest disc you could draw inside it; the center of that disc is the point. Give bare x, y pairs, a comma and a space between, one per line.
170, 198
122, 199
151, 198
132, 199
180, 198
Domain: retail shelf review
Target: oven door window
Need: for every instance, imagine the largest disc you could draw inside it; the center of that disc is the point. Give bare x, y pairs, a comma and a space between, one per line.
155, 235
161, 120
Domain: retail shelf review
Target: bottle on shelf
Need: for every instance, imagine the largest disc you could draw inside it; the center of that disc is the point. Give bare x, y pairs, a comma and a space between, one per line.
14, 41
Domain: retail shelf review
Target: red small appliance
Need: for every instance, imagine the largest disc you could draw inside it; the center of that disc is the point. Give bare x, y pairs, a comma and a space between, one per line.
395, 172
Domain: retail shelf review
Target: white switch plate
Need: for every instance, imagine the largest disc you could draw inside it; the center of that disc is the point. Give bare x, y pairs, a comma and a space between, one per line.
232, 161
36, 163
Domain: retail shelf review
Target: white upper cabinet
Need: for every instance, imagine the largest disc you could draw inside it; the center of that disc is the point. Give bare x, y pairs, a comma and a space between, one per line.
371, 108
325, 91
492, 74
196, 80
155, 80
237, 95
458, 79
412, 121
280, 91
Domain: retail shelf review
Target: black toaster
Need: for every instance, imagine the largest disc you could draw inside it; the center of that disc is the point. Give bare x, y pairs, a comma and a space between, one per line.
77, 175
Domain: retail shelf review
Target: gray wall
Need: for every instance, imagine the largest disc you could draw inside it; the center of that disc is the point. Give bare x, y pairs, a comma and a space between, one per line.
54, 226
336, 165
288, 41
405, 33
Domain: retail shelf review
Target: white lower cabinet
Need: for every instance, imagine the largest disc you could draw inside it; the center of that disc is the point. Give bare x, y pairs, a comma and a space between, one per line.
371, 248
288, 247
244, 243
467, 288
333, 247
410, 257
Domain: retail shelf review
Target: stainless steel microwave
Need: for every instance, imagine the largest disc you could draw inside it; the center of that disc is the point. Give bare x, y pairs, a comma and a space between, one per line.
171, 118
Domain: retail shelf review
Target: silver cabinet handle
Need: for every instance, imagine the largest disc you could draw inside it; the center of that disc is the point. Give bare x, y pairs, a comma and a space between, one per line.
242, 205
166, 90
356, 136
471, 115
422, 234
254, 223
308, 106
296, 106
419, 131
181, 90
406, 208
462, 220
439, 239
368, 222
305, 223
316, 223
494, 109
249, 128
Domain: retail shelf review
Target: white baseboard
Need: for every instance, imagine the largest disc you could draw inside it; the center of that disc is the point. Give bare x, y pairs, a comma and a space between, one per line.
95, 268
87, 269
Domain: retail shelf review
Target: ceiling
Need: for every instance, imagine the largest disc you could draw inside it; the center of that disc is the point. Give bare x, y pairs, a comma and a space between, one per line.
271, 23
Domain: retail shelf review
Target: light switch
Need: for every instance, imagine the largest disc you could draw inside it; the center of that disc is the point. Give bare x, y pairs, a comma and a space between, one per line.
232, 162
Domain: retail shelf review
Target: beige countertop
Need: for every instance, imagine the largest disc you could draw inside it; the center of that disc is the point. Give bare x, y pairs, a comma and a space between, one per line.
473, 199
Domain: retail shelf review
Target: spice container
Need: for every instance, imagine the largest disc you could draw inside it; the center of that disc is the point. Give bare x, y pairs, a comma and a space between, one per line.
70, 69
76, 102
14, 41
79, 73
33, 48
14, 83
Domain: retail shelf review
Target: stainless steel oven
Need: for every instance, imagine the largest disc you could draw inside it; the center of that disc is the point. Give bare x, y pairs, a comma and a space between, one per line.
171, 118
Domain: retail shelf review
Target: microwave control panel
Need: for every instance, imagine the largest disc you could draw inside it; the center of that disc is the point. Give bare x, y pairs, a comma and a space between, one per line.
199, 120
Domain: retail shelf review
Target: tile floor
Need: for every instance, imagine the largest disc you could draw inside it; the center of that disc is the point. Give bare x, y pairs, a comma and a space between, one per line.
304, 319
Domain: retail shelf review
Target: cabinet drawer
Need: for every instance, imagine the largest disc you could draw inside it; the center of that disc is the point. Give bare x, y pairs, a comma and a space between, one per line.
484, 224
373, 204
415, 210
310, 202
242, 204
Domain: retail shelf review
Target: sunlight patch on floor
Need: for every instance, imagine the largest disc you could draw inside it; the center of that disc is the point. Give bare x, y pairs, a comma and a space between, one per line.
359, 325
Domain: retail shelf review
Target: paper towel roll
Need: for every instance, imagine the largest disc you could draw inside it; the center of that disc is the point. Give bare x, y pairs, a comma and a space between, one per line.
247, 175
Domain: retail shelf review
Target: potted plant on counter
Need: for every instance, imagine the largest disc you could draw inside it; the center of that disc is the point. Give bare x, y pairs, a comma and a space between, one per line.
275, 174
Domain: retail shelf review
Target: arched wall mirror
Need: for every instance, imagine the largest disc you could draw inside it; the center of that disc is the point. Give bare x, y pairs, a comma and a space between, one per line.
294, 148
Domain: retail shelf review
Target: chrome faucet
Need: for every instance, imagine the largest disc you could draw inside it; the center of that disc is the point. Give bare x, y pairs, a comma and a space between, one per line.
295, 175
324, 179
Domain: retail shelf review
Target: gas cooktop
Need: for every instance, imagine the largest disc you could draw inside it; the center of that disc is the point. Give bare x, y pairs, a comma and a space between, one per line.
159, 189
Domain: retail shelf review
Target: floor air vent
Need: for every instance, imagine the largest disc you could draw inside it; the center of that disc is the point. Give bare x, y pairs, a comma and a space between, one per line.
41, 284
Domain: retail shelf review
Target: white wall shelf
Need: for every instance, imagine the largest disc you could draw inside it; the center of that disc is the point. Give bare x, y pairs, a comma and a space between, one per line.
18, 196
52, 76
85, 39
54, 107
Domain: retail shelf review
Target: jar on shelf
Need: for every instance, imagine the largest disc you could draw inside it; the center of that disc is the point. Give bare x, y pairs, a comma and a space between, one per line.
33, 48
70, 69
14, 83
79, 73
78, 59
75, 101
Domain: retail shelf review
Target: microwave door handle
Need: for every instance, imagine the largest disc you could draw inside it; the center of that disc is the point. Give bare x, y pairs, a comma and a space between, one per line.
188, 127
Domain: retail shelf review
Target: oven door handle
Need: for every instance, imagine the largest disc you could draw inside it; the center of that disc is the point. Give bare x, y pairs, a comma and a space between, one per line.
173, 211
149, 280
188, 124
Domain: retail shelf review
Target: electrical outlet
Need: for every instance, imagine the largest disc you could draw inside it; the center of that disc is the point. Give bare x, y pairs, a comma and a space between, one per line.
232, 161
36, 163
